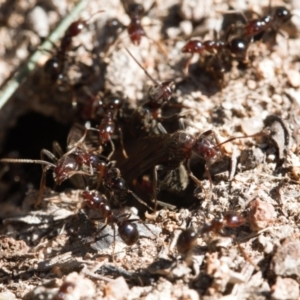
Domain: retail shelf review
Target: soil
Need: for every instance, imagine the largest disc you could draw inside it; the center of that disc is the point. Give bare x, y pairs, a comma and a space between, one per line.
58, 250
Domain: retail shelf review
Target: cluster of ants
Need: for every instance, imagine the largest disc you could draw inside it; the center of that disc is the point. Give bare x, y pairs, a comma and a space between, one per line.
92, 154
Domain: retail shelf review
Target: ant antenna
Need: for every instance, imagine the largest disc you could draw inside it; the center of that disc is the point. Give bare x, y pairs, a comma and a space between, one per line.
146, 72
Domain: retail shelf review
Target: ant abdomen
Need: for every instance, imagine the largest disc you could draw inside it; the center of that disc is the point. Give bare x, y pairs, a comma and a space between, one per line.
128, 232
233, 220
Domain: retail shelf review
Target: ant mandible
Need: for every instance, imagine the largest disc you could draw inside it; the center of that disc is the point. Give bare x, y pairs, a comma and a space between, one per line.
188, 237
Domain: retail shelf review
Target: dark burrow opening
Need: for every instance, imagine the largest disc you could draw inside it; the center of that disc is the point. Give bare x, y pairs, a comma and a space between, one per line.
32, 133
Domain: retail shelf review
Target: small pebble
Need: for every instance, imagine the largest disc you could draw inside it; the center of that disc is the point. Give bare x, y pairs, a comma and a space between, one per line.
293, 78
252, 125
262, 214
285, 288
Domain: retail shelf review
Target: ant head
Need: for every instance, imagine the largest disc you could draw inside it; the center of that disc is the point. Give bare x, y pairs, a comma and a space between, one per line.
282, 14
64, 169
161, 93
193, 46
112, 102
238, 47
128, 232
135, 9
205, 147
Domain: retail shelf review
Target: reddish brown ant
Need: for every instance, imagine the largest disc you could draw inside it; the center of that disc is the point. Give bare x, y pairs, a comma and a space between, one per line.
80, 160
187, 238
127, 228
169, 151
236, 47
135, 29
159, 95
55, 66
280, 16
76, 161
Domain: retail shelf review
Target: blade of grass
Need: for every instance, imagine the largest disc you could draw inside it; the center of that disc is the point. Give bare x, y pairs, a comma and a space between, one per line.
20, 76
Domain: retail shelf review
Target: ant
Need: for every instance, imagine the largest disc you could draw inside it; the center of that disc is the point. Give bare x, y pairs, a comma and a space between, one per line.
135, 29
77, 160
187, 238
169, 151
80, 160
109, 109
127, 229
280, 16
158, 96
236, 47
55, 66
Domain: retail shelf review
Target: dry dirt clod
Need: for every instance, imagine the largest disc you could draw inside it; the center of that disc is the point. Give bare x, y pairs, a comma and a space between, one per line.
262, 214
286, 260
279, 134
285, 288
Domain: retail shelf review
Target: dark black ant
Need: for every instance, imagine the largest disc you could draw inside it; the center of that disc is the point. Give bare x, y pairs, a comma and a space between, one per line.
127, 228
187, 238
55, 66
236, 48
169, 151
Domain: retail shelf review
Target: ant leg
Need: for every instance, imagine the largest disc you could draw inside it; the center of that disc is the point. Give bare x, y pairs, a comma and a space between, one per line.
122, 142
156, 168
114, 244
161, 128
57, 150
187, 64
42, 187
112, 148
139, 199
47, 153
193, 177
